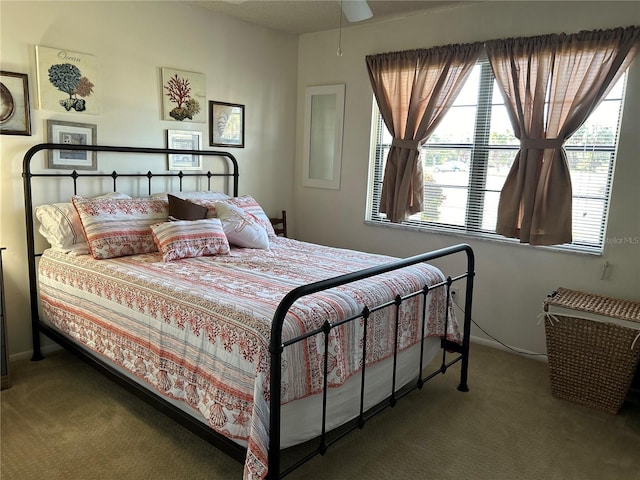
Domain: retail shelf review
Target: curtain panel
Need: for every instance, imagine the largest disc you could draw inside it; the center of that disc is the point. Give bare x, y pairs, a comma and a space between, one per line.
414, 89
551, 84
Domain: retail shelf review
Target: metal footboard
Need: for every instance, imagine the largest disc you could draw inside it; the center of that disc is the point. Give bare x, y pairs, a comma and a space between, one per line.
277, 346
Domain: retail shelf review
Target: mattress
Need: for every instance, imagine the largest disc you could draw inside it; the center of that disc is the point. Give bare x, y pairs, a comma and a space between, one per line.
197, 330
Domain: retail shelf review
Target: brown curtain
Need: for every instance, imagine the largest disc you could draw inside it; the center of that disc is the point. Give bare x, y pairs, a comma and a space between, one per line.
413, 90
575, 72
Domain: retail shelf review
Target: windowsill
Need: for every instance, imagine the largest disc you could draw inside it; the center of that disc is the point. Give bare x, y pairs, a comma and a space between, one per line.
479, 236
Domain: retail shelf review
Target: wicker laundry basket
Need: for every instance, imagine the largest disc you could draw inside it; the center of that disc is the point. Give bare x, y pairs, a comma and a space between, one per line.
593, 347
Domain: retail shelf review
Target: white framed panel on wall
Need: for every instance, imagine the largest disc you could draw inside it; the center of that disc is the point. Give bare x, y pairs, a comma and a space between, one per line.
323, 128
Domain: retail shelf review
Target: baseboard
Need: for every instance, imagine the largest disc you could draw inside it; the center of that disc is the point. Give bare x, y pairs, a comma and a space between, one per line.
54, 347
518, 351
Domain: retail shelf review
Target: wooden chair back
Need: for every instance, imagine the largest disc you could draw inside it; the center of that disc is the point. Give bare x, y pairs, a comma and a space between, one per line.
280, 224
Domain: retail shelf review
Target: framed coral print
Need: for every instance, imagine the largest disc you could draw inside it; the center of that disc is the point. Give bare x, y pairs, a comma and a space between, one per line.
184, 140
67, 81
15, 117
73, 134
183, 96
226, 124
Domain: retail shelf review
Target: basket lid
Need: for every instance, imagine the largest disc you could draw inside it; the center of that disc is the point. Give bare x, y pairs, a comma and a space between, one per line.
589, 302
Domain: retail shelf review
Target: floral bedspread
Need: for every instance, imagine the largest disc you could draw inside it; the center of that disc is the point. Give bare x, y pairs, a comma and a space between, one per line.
197, 330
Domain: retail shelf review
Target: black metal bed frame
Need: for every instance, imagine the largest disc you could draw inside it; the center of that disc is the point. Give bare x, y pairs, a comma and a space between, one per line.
277, 344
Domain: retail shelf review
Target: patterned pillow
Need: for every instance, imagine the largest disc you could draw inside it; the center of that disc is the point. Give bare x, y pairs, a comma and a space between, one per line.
61, 226
242, 228
205, 199
249, 205
119, 227
190, 238
201, 195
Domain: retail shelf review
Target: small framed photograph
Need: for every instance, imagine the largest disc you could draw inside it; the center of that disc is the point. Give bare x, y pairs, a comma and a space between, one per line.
226, 124
15, 117
184, 140
72, 133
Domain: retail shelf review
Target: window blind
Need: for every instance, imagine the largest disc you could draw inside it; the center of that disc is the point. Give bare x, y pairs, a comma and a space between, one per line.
469, 155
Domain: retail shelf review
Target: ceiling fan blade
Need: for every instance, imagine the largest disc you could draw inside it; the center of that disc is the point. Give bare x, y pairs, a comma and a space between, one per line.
356, 10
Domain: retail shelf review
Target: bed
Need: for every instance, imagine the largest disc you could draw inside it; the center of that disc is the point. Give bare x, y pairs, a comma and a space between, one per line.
254, 346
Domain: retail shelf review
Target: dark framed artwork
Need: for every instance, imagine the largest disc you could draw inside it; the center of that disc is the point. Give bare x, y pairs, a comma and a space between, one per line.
226, 124
72, 133
15, 116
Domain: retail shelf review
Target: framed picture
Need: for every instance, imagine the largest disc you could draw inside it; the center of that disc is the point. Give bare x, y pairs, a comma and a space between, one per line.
67, 81
184, 140
15, 117
226, 124
73, 134
183, 96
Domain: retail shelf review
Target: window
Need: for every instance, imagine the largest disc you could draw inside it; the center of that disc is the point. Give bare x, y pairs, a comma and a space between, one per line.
468, 157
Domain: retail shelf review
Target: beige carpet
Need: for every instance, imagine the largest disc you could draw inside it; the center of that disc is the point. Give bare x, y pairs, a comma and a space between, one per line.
63, 420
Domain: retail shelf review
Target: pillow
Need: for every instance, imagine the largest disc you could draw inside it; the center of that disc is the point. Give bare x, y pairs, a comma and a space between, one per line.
180, 209
242, 228
119, 227
61, 226
206, 195
249, 205
190, 238
203, 195
203, 198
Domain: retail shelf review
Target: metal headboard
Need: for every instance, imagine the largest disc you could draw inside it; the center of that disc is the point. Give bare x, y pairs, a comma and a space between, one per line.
229, 169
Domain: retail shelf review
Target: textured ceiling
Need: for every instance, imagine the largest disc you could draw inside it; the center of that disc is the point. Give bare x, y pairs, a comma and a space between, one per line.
306, 16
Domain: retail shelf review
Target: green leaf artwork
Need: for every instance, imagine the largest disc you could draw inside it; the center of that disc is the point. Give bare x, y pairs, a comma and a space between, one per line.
68, 79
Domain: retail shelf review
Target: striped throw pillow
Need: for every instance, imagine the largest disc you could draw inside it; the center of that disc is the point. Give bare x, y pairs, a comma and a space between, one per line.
60, 225
119, 227
190, 238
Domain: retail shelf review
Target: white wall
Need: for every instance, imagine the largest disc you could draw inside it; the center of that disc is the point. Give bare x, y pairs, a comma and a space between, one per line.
131, 42
512, 280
